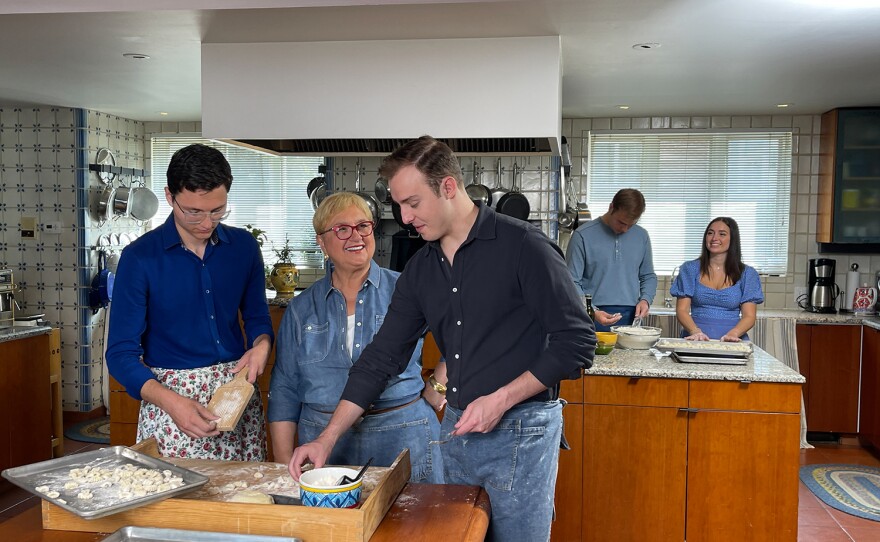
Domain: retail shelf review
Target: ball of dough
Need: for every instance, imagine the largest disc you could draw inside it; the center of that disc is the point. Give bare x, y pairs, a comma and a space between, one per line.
252, 497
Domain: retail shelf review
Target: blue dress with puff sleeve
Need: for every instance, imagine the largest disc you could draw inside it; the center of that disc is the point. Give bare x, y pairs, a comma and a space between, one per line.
716, 311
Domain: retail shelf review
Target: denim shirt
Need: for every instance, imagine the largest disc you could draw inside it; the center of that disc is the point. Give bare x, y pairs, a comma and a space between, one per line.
311, 357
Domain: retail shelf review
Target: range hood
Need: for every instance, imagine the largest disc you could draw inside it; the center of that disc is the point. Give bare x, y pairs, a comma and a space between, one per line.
480, 95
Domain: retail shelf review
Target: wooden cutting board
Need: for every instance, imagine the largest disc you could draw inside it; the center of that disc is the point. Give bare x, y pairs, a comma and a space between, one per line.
230, 400
205, 510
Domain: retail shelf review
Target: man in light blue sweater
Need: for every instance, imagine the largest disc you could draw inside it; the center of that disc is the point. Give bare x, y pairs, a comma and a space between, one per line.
610, 258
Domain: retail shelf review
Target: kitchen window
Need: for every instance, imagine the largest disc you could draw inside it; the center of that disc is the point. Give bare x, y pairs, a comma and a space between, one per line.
268, 192
690, 178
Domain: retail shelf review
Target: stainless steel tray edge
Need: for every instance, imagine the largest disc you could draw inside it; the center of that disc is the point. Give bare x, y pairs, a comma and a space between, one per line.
661, 345
712, 360
154, 534
192, 480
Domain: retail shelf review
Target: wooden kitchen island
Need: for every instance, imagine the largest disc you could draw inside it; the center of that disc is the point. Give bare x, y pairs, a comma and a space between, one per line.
421, 513
667, 451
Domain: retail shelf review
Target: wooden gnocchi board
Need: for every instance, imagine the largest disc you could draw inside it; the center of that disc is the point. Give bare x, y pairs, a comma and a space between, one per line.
206, 510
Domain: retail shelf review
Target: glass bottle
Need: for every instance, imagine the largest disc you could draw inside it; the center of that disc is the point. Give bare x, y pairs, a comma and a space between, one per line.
588, 302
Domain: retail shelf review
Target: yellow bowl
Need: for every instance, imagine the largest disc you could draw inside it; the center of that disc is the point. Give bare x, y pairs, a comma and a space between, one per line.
607, 337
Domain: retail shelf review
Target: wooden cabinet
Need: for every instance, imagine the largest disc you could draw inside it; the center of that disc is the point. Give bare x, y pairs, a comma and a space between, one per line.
849, 177
829, 359
668, 459
869, 424
569, 478
124, 409
25, 401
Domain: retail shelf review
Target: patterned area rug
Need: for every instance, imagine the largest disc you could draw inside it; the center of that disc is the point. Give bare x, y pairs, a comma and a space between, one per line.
854, 489
96, 431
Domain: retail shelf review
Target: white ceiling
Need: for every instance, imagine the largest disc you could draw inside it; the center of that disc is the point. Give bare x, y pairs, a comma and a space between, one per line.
716, 56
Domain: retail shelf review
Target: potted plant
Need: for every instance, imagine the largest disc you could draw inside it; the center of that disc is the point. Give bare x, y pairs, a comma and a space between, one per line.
284, 275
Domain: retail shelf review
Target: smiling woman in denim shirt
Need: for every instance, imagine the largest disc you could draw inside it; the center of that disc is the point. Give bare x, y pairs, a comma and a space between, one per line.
323, 331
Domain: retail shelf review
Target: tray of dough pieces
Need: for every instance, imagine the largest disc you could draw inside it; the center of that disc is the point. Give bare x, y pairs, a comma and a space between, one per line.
152, 534
104, 482
705, 348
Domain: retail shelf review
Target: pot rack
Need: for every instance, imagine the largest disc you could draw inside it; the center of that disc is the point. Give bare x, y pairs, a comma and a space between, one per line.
118, 170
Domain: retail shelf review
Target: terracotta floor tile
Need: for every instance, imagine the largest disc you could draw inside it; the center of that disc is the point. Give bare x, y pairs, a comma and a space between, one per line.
809, 533
864, 534
819, 522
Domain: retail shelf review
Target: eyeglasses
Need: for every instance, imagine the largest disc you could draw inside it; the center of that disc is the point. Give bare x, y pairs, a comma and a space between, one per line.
343, 231
197, 217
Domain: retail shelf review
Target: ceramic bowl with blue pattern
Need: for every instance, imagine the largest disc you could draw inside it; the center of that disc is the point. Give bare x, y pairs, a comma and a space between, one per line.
318, 488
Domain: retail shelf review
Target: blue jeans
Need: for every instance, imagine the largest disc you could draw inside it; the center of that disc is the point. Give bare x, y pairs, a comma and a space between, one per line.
515, 463
382, 437
627, 314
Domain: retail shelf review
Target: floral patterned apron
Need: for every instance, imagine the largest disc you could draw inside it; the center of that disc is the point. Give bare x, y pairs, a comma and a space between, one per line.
247, 442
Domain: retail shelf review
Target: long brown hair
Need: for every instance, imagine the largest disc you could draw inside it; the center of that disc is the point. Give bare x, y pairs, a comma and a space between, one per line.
733, 264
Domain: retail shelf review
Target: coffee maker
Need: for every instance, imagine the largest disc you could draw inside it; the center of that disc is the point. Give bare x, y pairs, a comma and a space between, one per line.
822, 291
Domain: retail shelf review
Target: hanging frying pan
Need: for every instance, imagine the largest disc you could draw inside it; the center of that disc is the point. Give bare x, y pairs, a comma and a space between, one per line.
477, 191
383, 193
371, 201
499, 191
102, 285
514, 203
398, 217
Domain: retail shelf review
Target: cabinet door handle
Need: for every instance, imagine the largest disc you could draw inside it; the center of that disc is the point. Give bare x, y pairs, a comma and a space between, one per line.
689, 410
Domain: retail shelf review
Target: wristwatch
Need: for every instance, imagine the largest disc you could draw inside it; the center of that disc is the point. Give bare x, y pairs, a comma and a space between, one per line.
438, 387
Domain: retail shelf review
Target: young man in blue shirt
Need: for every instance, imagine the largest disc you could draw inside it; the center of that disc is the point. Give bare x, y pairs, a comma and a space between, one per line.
174, 332
610, 258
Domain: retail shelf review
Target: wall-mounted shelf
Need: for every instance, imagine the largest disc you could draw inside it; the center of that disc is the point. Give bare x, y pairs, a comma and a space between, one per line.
118, 170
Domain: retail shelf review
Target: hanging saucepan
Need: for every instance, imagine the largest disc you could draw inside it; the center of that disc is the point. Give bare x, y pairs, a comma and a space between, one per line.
105, 200
383, 193
142, 204
313, 184
371, 201
101, 291
514, 203
498, 191
398, 217
477, 191
317, 195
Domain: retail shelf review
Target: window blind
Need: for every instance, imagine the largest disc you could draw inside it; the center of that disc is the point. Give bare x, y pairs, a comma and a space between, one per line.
268, 192
690, 178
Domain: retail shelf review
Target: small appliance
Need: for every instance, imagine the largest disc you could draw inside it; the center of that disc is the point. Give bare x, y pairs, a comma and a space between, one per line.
822, 291
7, 299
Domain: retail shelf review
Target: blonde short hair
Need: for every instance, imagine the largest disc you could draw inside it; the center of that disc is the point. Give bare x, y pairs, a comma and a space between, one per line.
335, 204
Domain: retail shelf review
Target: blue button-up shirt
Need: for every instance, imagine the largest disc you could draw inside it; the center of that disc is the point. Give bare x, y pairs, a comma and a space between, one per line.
173, 310
312, 359
506, 306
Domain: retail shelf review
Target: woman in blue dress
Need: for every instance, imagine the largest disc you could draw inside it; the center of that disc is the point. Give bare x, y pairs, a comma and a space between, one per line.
717, 294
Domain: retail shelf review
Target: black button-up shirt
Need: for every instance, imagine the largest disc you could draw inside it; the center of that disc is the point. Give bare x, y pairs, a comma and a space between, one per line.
507, 305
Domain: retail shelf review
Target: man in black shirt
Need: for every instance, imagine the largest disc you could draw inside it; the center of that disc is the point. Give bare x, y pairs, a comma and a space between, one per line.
498, 298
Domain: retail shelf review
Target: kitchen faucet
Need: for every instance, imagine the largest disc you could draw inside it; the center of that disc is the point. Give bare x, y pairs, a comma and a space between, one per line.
667, 301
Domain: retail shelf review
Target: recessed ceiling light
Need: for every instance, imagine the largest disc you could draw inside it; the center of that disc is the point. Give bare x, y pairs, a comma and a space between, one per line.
646, 45
782, 106
163, 113
622, 107
136, 56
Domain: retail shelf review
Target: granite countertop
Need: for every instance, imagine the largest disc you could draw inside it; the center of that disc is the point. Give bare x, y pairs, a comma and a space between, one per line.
802, 317
761, 367
21, 332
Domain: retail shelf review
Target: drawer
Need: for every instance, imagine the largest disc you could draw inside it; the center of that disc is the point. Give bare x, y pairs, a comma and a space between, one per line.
634, 391
572, 390
754, 396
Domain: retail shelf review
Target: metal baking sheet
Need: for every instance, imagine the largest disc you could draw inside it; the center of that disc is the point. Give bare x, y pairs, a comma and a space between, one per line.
106, 501
712, 359
152, 534
712, 348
